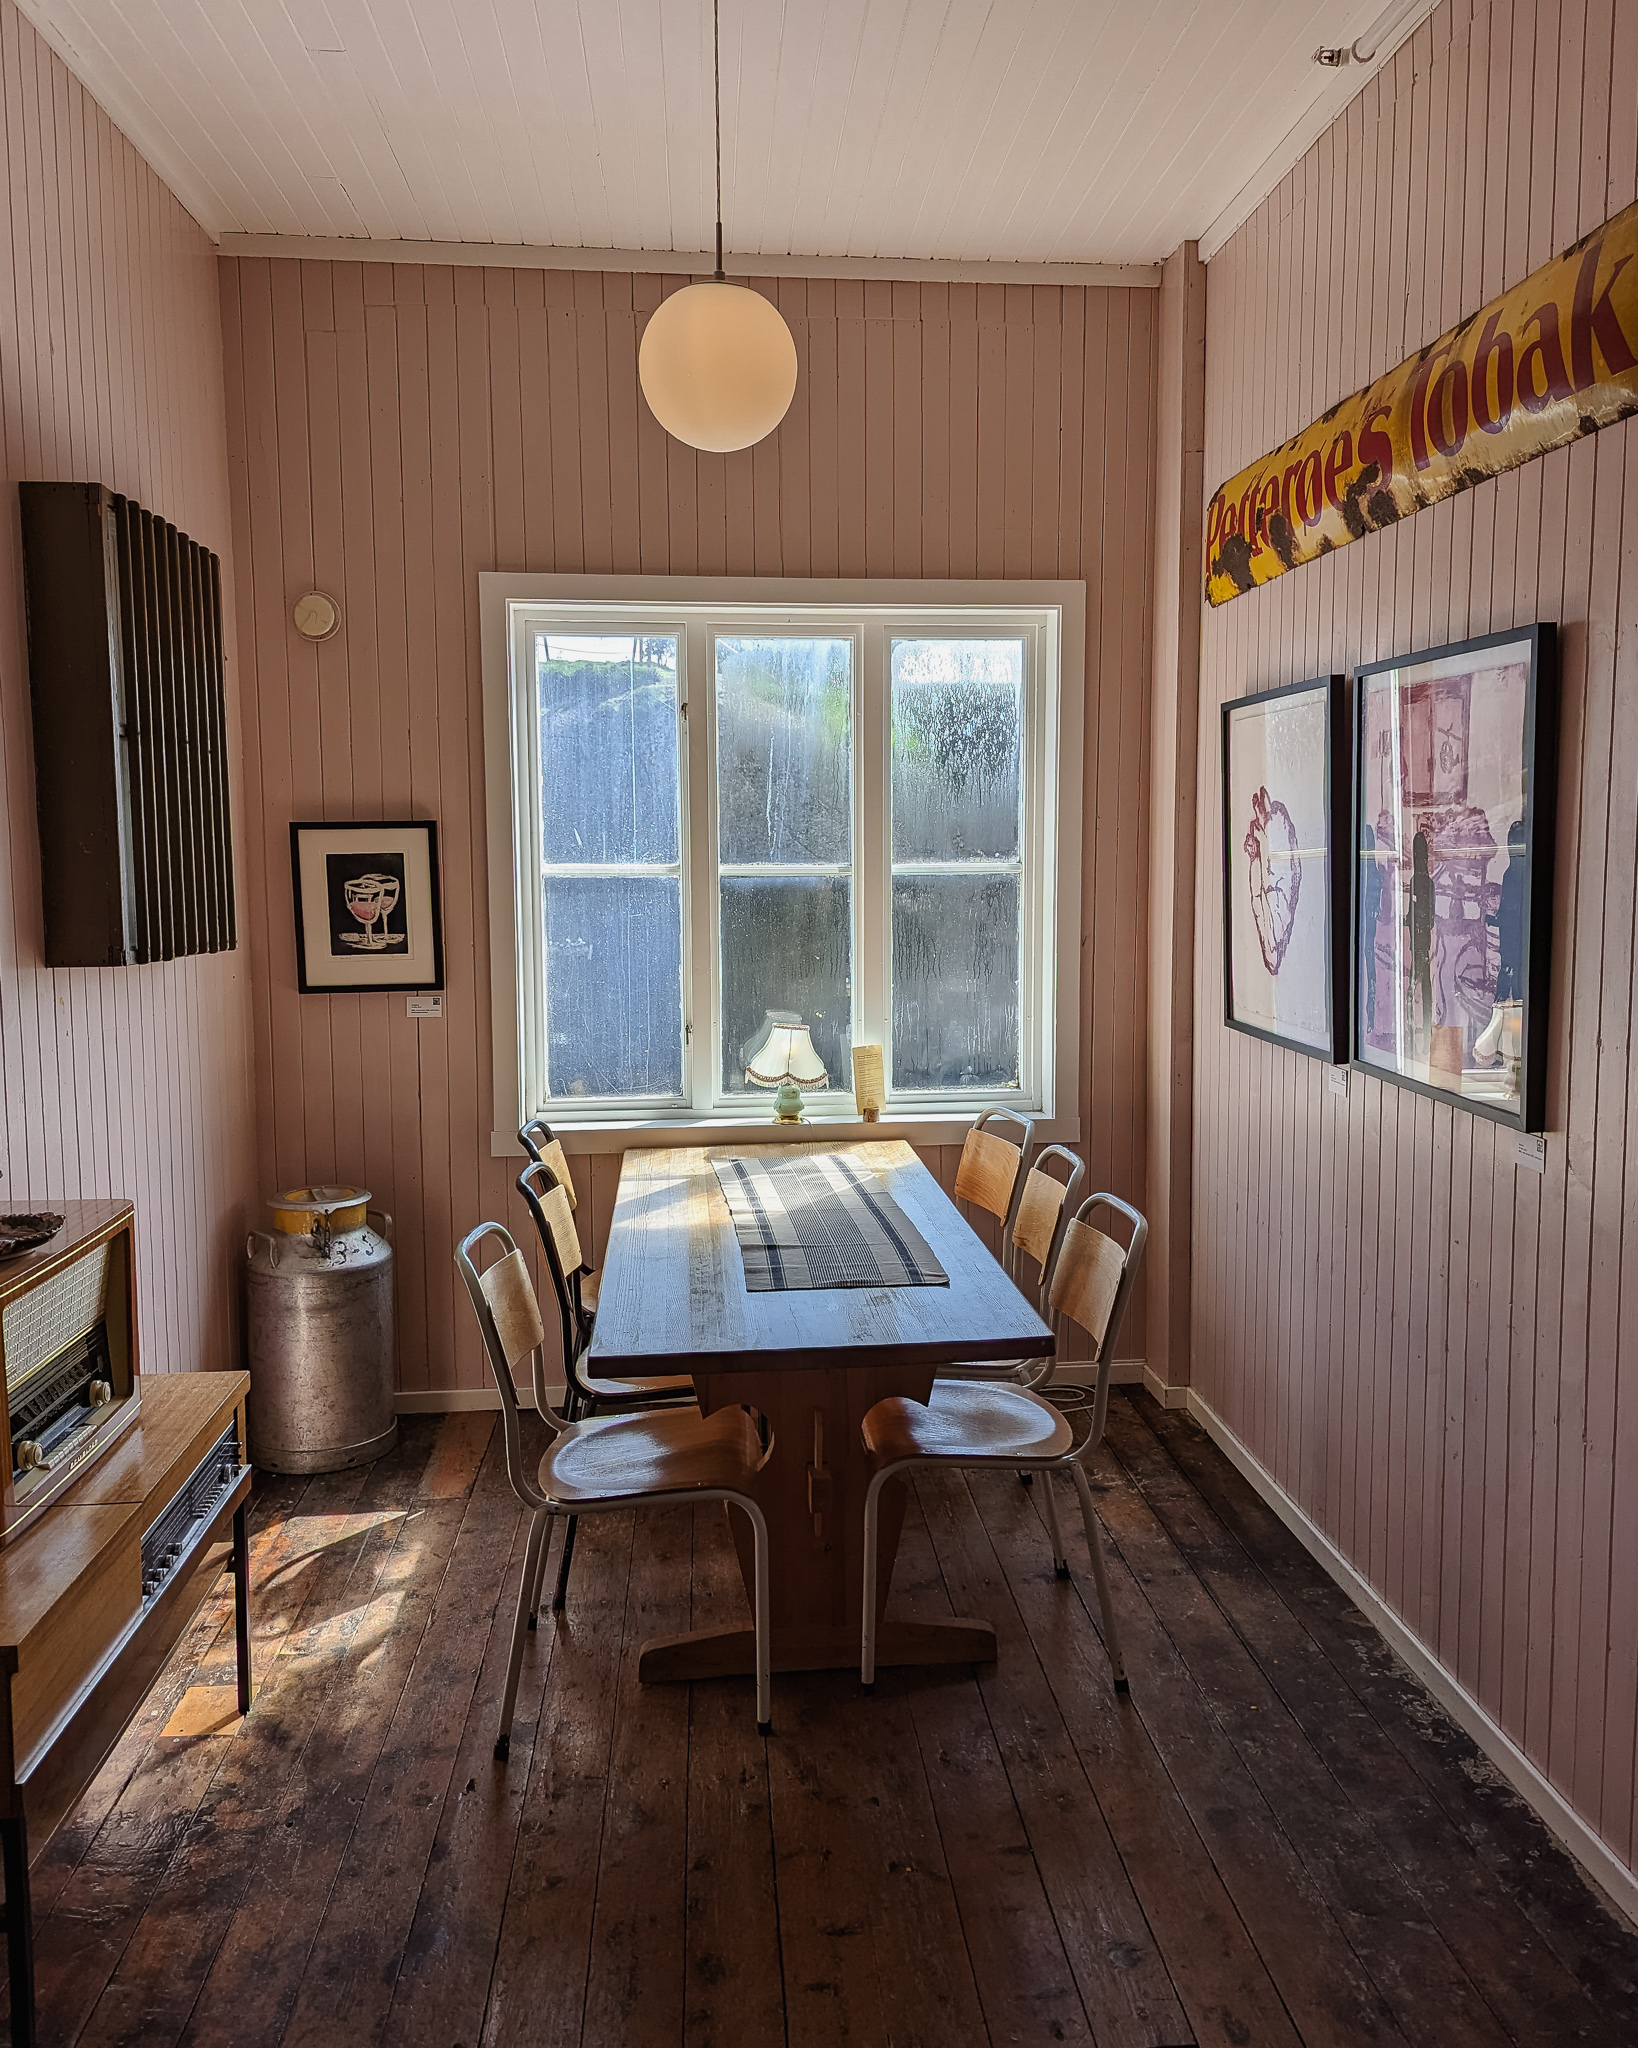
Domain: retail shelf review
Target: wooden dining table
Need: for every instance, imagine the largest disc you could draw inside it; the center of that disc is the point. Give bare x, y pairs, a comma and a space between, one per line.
812, 1362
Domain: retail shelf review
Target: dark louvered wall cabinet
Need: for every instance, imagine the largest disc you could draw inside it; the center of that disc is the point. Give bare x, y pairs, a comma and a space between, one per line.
130, 735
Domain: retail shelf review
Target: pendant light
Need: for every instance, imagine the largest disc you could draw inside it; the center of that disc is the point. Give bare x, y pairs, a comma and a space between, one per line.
717, 363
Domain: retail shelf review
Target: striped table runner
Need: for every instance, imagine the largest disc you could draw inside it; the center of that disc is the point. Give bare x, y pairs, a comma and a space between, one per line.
821, 1221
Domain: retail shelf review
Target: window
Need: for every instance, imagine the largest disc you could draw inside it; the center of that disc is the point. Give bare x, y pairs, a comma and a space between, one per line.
710, 811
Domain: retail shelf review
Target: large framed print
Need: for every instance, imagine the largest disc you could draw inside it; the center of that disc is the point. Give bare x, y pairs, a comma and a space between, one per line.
367, 906
1455, 793
1285, 951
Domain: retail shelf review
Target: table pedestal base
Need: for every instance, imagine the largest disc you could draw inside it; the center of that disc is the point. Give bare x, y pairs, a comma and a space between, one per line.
731, 1652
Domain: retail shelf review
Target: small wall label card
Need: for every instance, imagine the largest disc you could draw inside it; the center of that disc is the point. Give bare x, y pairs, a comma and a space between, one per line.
1284, 908
367, 913
1455, 789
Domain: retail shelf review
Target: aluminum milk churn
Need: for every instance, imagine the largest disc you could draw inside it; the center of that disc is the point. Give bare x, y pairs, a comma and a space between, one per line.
321, 1329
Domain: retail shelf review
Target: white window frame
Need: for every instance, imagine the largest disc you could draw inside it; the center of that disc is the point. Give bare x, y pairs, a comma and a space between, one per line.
1050, 616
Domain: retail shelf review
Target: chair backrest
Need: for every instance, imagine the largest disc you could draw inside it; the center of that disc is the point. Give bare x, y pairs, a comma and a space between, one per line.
1037, 1228
991, 1168
1093, 1283
536, 1139
503, 1300
548, 1204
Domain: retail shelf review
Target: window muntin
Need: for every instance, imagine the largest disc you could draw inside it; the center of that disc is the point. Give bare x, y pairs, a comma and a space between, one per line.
941, 938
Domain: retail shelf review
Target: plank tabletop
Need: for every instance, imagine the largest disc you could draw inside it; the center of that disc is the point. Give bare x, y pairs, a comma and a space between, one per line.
673, 1295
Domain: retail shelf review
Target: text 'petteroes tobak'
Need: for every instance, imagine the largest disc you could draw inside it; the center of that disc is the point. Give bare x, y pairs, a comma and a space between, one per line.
1552, 359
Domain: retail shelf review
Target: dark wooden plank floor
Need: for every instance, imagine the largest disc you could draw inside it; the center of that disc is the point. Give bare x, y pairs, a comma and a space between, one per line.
1279, 1839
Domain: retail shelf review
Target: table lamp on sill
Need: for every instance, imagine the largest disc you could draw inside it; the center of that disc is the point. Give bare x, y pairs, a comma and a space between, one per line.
782, 1055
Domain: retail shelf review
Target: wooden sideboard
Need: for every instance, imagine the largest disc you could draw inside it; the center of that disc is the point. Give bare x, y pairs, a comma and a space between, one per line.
94, 1597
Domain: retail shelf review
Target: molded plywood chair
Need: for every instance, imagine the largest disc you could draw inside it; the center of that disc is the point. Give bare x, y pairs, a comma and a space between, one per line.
991, 1172
606, 1462
1037, 1232
975, 1423
537, 1140
560, 1248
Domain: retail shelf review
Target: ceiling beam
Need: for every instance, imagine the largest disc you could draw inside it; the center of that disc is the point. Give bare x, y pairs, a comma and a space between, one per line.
684, 262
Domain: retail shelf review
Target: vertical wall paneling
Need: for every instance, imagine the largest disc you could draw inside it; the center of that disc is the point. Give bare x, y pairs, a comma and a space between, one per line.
127, 1081
1424, 1343
394, 431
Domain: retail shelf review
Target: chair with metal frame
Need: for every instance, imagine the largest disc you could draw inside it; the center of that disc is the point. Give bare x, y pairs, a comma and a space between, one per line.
607, 1462
538, 1140
1037, 1232
973, 1423
991, 1173
548, 1203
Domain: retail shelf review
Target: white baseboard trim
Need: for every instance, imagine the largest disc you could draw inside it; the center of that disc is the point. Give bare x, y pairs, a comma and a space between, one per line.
465, 1400
1600, 1863
1124, 1372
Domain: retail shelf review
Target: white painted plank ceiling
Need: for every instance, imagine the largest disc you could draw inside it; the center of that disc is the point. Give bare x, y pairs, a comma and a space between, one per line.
1063, 131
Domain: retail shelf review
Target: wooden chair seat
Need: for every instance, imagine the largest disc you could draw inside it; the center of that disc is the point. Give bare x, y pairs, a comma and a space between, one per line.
549, 1193
611, 1457
602, 1463
675, 1385
989, 1423
966, 1420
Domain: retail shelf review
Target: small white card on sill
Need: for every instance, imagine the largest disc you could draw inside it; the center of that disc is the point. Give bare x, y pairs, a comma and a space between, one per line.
1337, 1080
1532, 1151
423, 1006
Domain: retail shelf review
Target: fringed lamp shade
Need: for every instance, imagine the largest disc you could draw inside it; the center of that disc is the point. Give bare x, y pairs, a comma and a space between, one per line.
783, 1051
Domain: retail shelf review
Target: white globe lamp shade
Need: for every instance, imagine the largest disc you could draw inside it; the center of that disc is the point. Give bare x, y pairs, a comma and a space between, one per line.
717, 366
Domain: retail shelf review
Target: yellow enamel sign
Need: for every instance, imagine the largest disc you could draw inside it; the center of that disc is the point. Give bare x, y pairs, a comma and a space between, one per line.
1549, 361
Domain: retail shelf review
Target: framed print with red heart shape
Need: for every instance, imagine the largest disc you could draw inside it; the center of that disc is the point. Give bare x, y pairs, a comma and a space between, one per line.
1455, 794
1285, 925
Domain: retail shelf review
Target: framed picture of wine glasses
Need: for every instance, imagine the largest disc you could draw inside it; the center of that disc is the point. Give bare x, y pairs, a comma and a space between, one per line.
1285, 955
367, 906
1455, 792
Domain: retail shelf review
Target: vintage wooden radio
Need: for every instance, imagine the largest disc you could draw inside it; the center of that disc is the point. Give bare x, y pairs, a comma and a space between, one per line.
68, 1355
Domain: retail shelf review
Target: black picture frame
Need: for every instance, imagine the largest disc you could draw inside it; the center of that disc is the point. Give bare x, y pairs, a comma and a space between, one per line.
1333, 690
1533, 891
400, 857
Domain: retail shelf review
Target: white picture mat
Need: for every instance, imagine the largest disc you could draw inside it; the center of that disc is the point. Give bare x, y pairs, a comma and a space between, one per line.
1464, 949
1279, 746
418, 962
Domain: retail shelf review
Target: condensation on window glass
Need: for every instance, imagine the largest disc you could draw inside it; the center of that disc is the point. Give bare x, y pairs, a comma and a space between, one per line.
787, 944
957, 749
955, 981
608, 747
613, 986
784, 750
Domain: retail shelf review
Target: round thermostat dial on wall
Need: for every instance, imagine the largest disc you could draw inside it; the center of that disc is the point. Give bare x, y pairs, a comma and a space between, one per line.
316, 615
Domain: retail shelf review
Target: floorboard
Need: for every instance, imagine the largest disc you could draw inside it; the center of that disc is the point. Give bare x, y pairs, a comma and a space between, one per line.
1278, 1839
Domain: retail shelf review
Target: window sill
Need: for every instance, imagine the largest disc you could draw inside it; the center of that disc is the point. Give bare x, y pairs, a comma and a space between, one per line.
924, 1127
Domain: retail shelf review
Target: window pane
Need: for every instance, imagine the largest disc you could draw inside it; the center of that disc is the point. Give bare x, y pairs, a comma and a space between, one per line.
955, 981
785, 750
608, 747
787, 944
957, 748
613, 986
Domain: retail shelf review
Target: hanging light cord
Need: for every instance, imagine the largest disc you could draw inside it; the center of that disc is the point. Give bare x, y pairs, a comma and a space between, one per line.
716, 81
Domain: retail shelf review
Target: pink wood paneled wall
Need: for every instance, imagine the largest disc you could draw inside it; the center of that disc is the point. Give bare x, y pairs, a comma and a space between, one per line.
393, 431
122, 1081
1422, 1341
